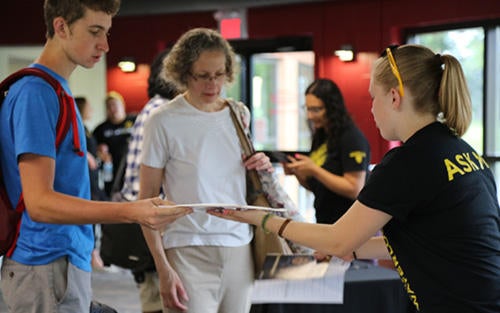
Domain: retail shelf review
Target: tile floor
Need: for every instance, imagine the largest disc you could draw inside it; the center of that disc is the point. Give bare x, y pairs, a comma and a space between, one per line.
115, 288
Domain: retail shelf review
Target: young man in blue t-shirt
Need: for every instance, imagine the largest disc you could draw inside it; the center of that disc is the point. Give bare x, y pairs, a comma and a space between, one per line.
49, 268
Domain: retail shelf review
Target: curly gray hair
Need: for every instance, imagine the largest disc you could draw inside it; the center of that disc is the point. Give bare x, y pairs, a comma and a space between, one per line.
187, 50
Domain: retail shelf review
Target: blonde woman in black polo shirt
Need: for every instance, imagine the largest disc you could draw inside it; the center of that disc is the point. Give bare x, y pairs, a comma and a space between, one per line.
434, 196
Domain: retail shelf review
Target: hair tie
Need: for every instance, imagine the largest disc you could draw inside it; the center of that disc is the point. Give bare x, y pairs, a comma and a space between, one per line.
437, 56
440, 118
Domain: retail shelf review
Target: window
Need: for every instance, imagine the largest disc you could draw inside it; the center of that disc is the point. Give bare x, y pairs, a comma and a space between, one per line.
477, 50
279, 81
273, 77
467, 45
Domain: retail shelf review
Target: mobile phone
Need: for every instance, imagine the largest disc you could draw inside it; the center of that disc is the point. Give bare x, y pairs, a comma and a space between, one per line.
280, 156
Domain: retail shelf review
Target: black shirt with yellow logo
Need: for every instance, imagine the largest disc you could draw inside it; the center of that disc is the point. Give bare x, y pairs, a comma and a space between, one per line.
351, 154
444, 237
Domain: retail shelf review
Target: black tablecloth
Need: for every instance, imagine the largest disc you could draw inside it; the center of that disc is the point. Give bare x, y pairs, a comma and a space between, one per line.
368, 289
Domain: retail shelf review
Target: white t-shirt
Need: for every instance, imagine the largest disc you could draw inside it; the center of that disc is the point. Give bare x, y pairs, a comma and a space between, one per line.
201, 154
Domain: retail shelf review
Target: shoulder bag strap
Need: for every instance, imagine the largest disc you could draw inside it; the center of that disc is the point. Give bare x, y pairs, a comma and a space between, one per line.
247, 146
248, 150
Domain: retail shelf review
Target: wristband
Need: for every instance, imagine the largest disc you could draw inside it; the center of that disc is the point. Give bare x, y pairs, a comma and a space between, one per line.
283, 226
354, 255
264, 221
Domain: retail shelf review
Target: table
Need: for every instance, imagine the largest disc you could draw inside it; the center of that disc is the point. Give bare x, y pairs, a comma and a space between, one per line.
368, 288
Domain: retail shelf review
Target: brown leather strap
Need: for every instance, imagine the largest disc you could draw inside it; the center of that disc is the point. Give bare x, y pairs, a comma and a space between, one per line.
247, 146
248, 149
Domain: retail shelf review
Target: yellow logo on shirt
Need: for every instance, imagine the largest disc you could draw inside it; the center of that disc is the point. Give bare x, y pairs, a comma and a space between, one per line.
358, 156
464, 163
129, 124
318, 156
404, 280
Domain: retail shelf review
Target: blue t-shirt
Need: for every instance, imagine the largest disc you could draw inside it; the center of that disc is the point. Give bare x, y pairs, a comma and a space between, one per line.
28, 119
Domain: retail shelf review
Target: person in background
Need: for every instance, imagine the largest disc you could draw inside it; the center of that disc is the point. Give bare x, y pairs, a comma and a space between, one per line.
96, 193
85, 109
112, 137
434, 196
337, 166
192, 152
49, 267
159, 92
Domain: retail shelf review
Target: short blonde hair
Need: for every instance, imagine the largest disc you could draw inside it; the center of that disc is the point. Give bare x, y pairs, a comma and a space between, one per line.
114, 95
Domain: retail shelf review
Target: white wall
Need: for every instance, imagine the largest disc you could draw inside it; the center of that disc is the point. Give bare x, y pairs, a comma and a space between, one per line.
90, 83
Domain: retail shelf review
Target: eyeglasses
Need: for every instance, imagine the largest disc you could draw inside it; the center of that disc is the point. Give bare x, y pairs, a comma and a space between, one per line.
394, 67
312, 109
206, 78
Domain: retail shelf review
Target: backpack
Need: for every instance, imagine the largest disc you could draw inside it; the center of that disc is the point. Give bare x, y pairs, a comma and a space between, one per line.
10, 218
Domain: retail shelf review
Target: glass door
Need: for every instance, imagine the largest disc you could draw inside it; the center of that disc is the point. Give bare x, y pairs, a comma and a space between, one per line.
279, 81
272, 82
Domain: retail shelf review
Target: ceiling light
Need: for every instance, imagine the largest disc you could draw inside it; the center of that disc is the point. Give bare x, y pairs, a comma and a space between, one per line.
345, 53
127, 65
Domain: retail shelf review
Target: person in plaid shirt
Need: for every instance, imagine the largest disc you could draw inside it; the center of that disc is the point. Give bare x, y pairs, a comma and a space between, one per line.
160, 92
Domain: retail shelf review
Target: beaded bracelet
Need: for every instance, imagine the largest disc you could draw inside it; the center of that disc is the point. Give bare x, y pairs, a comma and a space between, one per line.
264, 221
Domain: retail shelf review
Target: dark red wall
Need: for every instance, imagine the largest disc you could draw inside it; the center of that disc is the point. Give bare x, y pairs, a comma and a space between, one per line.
142, 38
369, 25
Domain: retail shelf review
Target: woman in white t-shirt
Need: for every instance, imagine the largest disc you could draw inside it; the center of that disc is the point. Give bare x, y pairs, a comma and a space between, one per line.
192, 152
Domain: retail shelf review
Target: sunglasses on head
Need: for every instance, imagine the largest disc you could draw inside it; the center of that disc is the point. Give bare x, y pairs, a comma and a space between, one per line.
388, 52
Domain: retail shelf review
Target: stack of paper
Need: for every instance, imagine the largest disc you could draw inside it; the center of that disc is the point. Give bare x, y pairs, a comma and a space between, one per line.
303, 282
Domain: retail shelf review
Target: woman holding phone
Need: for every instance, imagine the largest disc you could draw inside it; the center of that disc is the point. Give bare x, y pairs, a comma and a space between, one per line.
337, 165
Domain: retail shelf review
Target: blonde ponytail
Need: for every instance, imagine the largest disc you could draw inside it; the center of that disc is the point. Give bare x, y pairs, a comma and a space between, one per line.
454, 97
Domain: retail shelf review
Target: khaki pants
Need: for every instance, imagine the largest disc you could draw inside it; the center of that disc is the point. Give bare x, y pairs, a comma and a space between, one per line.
57, 287
217, 279
149, 293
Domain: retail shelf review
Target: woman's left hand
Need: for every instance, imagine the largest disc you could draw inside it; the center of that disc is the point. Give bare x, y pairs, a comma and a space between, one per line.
244, 216
301, 165
258, 161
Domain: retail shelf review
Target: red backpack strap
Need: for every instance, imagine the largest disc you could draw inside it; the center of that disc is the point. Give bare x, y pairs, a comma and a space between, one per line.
67, 115
67, 111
